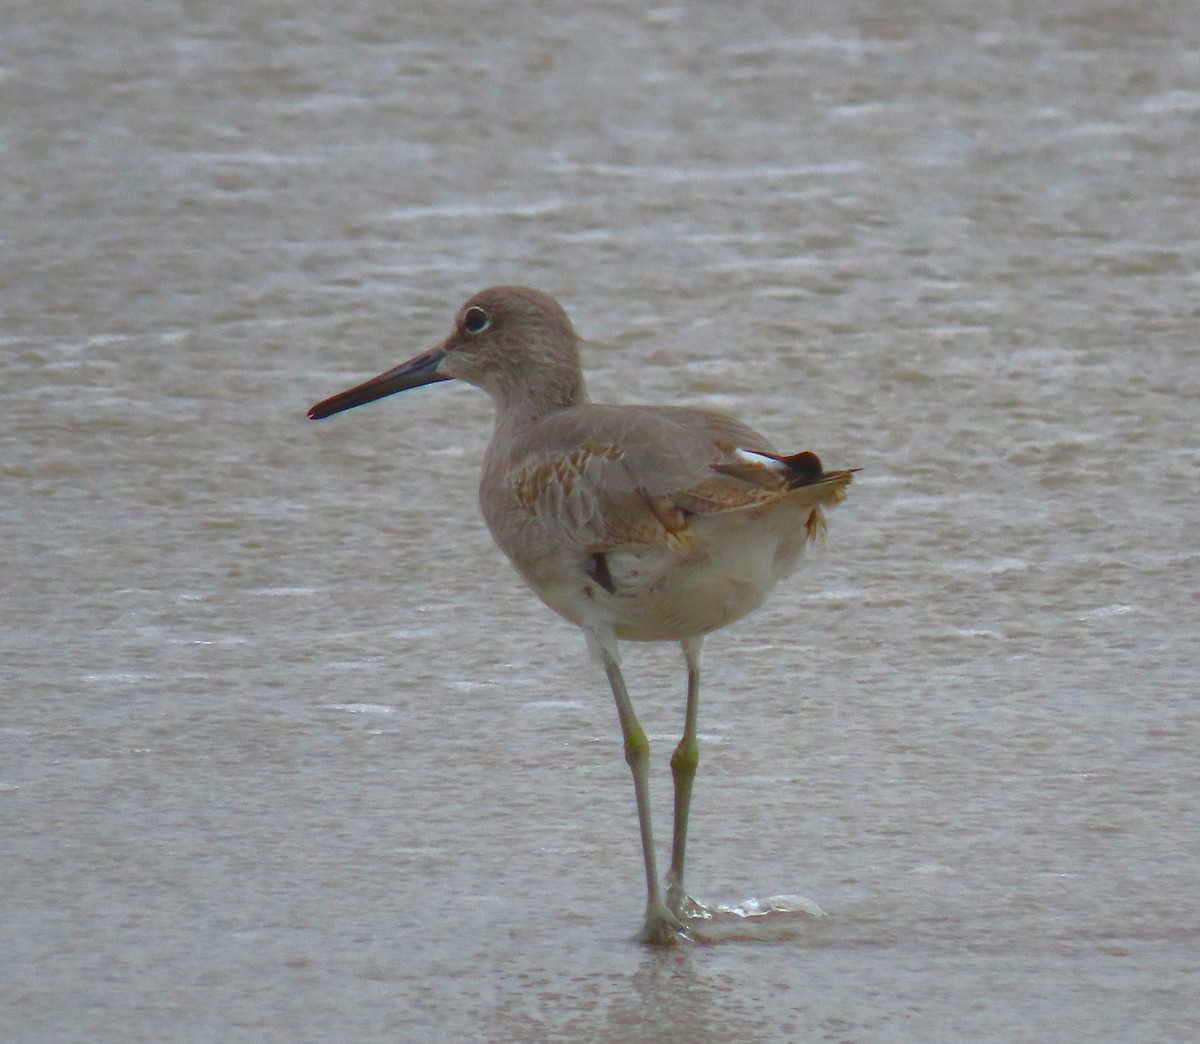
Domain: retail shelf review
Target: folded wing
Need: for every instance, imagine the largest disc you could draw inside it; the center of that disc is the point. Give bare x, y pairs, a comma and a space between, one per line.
640, 475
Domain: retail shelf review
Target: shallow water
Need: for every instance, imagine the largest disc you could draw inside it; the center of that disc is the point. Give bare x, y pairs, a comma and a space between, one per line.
287, 751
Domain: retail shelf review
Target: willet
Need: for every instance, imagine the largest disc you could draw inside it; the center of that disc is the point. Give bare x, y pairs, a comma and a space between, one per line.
645, 523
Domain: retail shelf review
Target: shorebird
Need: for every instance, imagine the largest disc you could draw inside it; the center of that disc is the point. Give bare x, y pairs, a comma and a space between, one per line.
637, 523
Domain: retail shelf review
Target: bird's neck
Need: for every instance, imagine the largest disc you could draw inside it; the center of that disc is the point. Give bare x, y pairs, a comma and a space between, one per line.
520, 406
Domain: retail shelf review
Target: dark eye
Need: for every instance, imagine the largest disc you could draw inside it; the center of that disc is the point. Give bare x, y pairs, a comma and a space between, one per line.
476, 320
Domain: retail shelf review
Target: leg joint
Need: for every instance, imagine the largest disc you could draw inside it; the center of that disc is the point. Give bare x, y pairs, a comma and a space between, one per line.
686, 756
637, 747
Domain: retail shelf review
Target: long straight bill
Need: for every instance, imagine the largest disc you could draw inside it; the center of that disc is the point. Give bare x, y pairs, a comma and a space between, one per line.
412, 374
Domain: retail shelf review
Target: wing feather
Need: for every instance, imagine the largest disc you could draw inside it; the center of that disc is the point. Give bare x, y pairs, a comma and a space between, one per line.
600, 478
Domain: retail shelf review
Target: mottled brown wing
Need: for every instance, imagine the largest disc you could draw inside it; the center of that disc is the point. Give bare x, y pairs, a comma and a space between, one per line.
604, 477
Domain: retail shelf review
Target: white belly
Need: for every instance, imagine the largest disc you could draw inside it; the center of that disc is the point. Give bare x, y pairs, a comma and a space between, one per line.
722, 573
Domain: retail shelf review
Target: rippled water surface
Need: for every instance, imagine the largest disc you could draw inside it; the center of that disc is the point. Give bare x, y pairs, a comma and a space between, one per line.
286, 750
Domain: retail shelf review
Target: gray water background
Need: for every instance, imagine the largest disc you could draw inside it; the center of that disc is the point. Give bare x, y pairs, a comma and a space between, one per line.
286, 751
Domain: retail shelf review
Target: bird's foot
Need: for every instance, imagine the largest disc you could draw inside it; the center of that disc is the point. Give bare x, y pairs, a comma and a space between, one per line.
662, 927
686, 908
682, 905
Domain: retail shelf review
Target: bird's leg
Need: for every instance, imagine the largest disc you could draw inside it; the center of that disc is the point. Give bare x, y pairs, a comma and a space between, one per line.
661, 925
683, 768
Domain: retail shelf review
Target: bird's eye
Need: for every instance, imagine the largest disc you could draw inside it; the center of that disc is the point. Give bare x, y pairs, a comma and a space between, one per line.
476, 320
